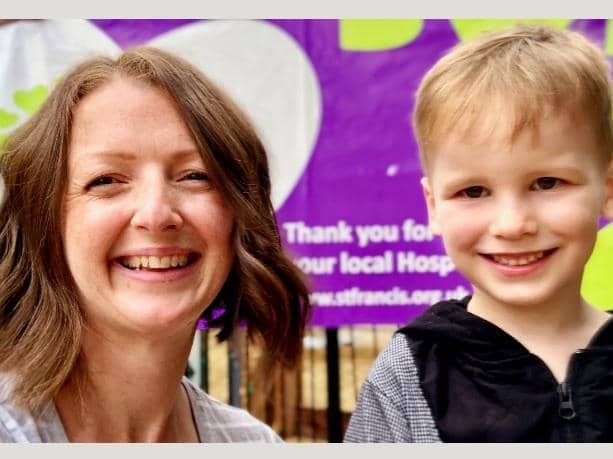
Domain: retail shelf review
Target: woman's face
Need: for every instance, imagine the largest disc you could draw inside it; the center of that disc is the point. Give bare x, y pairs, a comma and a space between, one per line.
147, 237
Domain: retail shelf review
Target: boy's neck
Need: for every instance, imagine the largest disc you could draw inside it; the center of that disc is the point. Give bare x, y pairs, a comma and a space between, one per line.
544, 318
551, 331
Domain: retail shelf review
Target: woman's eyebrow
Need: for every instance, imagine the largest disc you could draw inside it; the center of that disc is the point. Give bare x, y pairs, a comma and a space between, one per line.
126, 156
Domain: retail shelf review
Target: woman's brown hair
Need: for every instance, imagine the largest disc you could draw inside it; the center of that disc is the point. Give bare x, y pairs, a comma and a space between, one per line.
40, 317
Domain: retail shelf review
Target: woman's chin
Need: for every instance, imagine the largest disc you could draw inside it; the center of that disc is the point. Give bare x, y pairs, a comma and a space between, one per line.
159, 318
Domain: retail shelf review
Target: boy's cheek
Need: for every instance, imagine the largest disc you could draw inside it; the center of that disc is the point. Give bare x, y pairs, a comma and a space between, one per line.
435, 227
460, 228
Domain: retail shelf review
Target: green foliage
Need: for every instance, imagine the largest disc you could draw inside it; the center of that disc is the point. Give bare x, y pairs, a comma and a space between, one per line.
468, 29
7, 119
29, 100
609, 38
596, 287
378, 34
385, 34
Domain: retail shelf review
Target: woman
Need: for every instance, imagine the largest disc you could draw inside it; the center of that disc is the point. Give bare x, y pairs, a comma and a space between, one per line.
136, 198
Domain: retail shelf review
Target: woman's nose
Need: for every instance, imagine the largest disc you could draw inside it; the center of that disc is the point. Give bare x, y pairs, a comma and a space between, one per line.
156, 208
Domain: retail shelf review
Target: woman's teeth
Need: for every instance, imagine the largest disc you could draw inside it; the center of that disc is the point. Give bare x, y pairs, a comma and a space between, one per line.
521, 260
153, 262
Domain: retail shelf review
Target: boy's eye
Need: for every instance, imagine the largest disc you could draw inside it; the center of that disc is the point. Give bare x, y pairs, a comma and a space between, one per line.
545, 183
473, 192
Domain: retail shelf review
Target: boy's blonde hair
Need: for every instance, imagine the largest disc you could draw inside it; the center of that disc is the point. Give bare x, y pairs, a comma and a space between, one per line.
522, 74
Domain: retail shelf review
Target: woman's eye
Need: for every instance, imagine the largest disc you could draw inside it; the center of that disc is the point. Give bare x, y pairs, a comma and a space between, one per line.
473, 192
101, 181
546, 183
200, 176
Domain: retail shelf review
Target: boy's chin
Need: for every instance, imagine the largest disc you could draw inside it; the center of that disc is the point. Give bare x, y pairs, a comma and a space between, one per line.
525, 297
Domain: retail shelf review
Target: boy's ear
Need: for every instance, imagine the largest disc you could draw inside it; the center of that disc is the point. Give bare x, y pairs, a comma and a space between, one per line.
431, 204
607, 208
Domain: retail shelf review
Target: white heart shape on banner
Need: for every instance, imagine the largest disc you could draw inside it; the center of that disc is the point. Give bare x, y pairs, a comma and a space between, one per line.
34, 53
270, 77
259, 65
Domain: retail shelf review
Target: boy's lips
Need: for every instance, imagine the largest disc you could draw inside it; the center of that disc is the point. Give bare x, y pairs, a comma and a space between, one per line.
518, 259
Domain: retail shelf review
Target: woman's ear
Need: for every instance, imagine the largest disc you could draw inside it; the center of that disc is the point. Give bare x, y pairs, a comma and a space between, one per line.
431, 204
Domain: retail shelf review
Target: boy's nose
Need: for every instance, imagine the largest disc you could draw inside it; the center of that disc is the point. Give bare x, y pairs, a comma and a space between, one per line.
156, 208
513, 221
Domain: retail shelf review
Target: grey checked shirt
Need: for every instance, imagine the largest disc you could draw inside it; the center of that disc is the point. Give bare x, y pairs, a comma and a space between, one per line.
391, 406
216, 422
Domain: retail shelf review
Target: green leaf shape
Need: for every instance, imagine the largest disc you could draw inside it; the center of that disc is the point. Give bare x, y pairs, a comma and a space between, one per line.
30, 100
608, 44
467, 29
378, 34
7, 119
596, 286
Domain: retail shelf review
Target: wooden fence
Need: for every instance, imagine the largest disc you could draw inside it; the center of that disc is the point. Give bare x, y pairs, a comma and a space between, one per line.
312, 403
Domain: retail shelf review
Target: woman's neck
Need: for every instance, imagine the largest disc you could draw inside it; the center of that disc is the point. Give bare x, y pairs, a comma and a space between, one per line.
132, 391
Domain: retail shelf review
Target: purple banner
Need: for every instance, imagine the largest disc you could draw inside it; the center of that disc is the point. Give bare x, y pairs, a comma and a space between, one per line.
352, 213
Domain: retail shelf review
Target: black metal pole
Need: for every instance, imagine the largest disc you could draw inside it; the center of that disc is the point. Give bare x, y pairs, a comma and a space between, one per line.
335, 427
312, 367
204, 359
234, 369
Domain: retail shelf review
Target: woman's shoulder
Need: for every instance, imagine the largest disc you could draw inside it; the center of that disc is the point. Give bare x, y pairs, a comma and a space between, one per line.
17, 425
218, 422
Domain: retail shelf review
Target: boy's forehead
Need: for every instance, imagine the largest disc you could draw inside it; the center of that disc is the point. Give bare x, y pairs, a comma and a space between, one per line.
494, 134
497, 128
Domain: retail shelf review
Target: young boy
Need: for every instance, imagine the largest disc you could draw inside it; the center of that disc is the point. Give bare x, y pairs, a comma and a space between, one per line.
515, 138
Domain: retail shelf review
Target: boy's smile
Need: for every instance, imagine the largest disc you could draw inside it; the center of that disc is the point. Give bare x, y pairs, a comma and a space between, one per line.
518, 264
519, 219
516, 259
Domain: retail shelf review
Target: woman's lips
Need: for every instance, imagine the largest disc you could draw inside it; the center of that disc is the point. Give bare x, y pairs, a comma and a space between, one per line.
153, 269
157, 262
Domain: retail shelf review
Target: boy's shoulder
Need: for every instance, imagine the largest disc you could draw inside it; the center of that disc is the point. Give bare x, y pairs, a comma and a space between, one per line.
468, 368
448, 324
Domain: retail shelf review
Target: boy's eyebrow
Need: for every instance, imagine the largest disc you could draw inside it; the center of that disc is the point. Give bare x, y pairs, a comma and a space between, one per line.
455, 184
572, 172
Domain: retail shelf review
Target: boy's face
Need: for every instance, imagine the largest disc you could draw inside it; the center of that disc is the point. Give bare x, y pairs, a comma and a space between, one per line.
519, 219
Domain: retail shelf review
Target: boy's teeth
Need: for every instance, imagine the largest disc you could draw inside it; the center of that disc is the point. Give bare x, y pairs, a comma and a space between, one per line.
153, 262
517, 260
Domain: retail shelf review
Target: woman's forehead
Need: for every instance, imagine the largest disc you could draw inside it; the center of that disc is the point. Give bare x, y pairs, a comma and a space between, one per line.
126, 116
